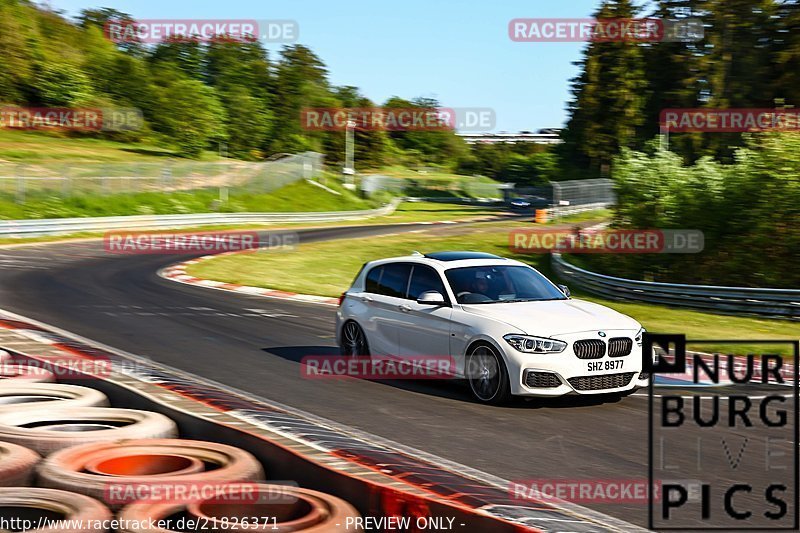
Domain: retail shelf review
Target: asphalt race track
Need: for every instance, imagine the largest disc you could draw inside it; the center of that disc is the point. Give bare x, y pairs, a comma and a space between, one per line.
255, 344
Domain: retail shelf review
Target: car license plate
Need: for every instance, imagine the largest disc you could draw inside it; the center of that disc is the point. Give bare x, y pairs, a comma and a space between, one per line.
602, 366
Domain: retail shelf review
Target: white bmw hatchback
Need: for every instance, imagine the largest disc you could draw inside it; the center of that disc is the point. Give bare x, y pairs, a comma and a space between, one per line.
508, 329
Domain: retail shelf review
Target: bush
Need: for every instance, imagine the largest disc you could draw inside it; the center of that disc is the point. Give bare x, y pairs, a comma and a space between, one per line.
192, 116
748, 211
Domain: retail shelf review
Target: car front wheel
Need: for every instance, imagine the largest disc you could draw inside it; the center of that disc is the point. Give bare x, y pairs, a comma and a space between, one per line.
487, 375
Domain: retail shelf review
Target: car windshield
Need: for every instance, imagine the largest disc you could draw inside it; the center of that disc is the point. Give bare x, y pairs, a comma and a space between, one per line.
500, 283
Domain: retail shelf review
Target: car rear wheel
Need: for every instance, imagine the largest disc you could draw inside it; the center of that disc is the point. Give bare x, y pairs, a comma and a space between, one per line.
487, 375
354, 340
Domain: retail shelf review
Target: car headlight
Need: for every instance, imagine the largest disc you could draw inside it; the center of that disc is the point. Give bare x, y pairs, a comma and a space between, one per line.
528, 344
638, 336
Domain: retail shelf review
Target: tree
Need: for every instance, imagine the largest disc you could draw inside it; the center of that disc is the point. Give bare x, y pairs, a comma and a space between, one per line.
239, 64
101, 18
746, 210
18, 47
439, 146
301, 80
187, 54
740, 38
62, 85
191, 115
676, 76
607, 102
787, 53
248, 125
372, 146
240, 73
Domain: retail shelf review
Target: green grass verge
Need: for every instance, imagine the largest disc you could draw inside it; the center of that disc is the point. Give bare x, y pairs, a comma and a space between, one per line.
21, 146
298, 196
327, 268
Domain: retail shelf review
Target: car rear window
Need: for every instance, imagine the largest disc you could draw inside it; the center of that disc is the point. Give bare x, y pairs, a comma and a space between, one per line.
373, 280
394, 280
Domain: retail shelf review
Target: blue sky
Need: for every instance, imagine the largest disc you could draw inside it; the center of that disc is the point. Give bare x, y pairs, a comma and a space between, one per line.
457, 51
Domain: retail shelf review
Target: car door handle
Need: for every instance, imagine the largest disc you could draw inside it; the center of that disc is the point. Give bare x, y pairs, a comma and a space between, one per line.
404, 308
366, 299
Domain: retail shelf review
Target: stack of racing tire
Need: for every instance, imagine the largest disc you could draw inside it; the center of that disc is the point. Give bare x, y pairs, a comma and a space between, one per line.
71, 463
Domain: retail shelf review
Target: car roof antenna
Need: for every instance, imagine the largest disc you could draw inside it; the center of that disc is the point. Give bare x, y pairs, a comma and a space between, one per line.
416, 254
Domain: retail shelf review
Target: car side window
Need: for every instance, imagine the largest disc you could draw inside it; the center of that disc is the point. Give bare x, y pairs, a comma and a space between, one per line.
423, 279
373, 280
394, 280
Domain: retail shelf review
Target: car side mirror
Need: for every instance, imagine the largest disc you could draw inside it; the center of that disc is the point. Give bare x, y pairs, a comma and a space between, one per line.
431, 298
565, 290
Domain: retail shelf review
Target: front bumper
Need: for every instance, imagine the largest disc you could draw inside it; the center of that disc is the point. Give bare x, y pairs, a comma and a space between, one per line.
565, 373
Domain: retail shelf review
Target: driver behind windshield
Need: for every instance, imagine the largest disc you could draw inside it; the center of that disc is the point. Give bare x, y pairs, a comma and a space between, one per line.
481, 284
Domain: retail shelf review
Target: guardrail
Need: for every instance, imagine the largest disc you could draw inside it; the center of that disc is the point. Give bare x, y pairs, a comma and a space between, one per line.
456, 200
63, 226
564, 210
784, 303
463, 185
